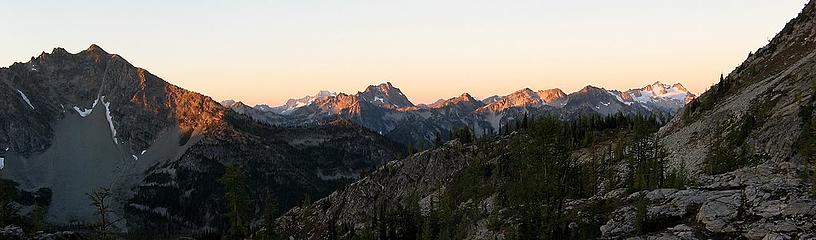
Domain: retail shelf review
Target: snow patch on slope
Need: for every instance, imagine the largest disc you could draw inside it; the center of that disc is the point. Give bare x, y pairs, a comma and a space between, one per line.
644, 97
618, 97
85, 112
25, 98
298, 105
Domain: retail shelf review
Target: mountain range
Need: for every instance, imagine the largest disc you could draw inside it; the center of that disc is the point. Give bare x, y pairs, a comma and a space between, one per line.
739, 163
385, 109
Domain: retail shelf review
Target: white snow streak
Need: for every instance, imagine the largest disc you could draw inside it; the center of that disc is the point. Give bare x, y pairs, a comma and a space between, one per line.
110, 120
25, 98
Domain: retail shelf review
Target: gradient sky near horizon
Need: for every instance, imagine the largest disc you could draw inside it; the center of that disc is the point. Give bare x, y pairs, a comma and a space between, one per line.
270, 51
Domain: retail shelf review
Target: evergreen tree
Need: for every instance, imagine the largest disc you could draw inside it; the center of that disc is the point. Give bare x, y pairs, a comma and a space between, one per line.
410, 149
237, 195
438, 140
38, 218
646, 157
270, 215
544, 181
307, 201
462, 134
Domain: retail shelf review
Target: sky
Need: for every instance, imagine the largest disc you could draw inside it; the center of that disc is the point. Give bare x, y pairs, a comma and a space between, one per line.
270, 51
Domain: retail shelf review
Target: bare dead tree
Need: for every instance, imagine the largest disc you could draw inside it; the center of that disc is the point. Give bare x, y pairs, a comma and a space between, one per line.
100, 199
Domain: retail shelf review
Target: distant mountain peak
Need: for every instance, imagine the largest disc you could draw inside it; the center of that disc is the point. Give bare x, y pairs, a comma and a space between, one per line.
228, 103
325, 93
659, 90
96, 49
382, 87
386, 85
464, 98
551, 95
527, 91
521, 98
680, 87
491, 99
59, 50
590, 88
385, 95
293, 104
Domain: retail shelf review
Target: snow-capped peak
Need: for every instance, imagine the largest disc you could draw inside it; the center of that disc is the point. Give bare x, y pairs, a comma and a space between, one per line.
324, 93
659, 90
293, 104
658, 94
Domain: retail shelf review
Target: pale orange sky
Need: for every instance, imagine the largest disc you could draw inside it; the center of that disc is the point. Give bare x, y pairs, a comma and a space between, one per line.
270, 51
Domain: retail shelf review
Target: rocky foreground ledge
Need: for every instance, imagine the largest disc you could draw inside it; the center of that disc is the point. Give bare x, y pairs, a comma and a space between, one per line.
13, 232
761, 202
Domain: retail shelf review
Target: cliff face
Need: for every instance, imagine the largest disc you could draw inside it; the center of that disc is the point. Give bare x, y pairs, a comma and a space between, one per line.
767, 91
59, 82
